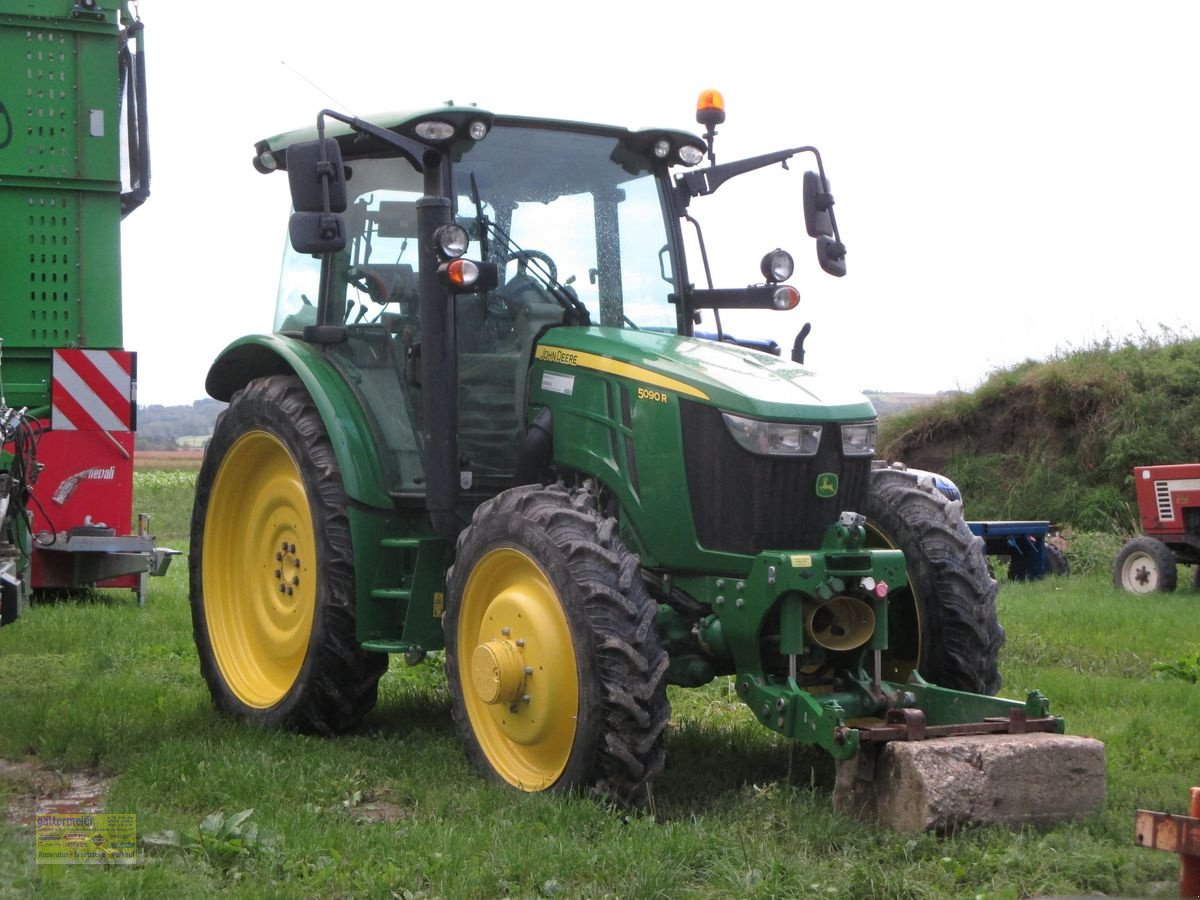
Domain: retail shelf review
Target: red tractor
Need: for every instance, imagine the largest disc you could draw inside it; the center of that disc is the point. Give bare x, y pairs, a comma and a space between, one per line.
1169, 506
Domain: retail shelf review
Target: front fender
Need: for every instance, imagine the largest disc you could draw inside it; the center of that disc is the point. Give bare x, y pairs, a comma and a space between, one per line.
349, 429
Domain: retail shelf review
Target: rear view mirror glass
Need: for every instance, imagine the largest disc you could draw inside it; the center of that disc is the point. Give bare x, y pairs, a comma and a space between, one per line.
307, 173
831, 255
817, 202
317, 232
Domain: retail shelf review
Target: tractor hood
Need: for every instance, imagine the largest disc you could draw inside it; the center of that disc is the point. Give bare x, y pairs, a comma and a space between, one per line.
723, 375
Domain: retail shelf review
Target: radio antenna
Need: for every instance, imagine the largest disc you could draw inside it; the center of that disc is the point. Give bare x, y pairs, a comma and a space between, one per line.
316, 87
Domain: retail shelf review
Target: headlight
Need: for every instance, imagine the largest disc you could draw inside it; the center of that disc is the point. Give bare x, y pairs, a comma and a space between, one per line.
690, 156
859, 440
774, 438
777, 266
662, 148
451, 241
477, 130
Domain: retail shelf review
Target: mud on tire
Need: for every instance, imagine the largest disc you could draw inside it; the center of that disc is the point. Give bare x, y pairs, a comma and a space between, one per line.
558, 543
944, 623
303, 669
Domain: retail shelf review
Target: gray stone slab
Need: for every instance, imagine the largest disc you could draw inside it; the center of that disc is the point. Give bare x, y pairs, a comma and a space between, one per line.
943, 784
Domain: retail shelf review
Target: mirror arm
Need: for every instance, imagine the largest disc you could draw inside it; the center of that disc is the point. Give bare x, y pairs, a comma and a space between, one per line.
414, 151
706, 181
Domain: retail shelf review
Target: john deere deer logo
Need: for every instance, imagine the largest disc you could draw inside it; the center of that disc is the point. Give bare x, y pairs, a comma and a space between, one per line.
827, 485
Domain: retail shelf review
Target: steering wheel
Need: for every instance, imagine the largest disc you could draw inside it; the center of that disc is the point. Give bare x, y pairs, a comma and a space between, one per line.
371, 283
524, 256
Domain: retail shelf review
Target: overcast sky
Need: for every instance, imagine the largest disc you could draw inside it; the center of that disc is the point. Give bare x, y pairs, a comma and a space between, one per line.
1012, 180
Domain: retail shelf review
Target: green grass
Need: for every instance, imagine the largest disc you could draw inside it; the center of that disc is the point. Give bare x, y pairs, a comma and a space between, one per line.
166, 495
395, 810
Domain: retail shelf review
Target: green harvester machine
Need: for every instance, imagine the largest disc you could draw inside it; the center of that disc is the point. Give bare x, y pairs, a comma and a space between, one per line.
498, 417
74, 161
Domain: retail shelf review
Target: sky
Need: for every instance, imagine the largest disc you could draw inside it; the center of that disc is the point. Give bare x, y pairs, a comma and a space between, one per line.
1013, 181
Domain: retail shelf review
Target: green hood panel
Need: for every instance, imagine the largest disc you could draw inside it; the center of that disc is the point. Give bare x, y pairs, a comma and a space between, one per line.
724, 375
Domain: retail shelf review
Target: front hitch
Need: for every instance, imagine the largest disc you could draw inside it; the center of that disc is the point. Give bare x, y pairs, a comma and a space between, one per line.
806, 633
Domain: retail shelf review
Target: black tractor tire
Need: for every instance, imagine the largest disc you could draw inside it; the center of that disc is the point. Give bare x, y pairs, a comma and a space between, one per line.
1145, 565
1056, 562
272, 569
944, 622
556, 672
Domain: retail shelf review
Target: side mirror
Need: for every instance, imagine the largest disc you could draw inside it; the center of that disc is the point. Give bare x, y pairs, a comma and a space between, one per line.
817, 203
317, 232
831, 254
318, 183
314, 167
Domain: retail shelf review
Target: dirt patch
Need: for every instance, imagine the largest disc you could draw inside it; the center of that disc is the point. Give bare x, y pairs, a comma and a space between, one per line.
43, 791
377, 811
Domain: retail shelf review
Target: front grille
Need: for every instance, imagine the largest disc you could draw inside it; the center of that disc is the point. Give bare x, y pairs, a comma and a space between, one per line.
745, 503
1162, 495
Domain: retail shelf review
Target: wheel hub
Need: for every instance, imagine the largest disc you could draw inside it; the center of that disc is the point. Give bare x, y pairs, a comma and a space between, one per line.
497, 672
287, 569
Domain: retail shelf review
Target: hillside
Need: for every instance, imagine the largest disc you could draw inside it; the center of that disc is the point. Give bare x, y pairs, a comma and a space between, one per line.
170, 427
1058, 439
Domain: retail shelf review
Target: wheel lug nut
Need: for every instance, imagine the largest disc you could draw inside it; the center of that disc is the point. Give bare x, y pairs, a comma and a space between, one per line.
296, 579
525, 698
291, 548
285, 546
296, 563
289, 592
278, 557
505, 631
520, 642
529, 670
282, 588
278, 574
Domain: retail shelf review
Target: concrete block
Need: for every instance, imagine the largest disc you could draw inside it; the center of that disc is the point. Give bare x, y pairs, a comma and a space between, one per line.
943, 784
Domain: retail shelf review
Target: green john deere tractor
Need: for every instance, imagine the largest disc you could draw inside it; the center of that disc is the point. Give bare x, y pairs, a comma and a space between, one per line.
488, 422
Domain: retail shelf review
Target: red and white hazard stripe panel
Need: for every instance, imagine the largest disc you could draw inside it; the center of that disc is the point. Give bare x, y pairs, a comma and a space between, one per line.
94, 390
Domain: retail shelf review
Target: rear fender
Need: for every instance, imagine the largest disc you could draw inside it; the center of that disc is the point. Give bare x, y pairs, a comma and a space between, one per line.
346, 422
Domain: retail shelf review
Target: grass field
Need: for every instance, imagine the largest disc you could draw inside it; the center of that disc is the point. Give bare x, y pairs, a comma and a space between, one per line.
109, 689
168, 460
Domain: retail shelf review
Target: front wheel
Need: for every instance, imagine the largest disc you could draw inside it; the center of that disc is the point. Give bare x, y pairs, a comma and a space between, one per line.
1145, 565
271, 568
556, 673
944, 623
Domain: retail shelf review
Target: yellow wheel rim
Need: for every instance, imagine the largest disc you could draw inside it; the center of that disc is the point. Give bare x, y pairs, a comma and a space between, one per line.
259, 570
517, 669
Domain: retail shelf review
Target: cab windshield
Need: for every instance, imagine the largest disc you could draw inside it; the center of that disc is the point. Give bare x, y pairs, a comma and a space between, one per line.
572, 215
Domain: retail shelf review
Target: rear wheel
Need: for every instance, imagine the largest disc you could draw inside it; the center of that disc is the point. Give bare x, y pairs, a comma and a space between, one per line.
1056, 561
943, 624
272, 579
557, 677
1145, 565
